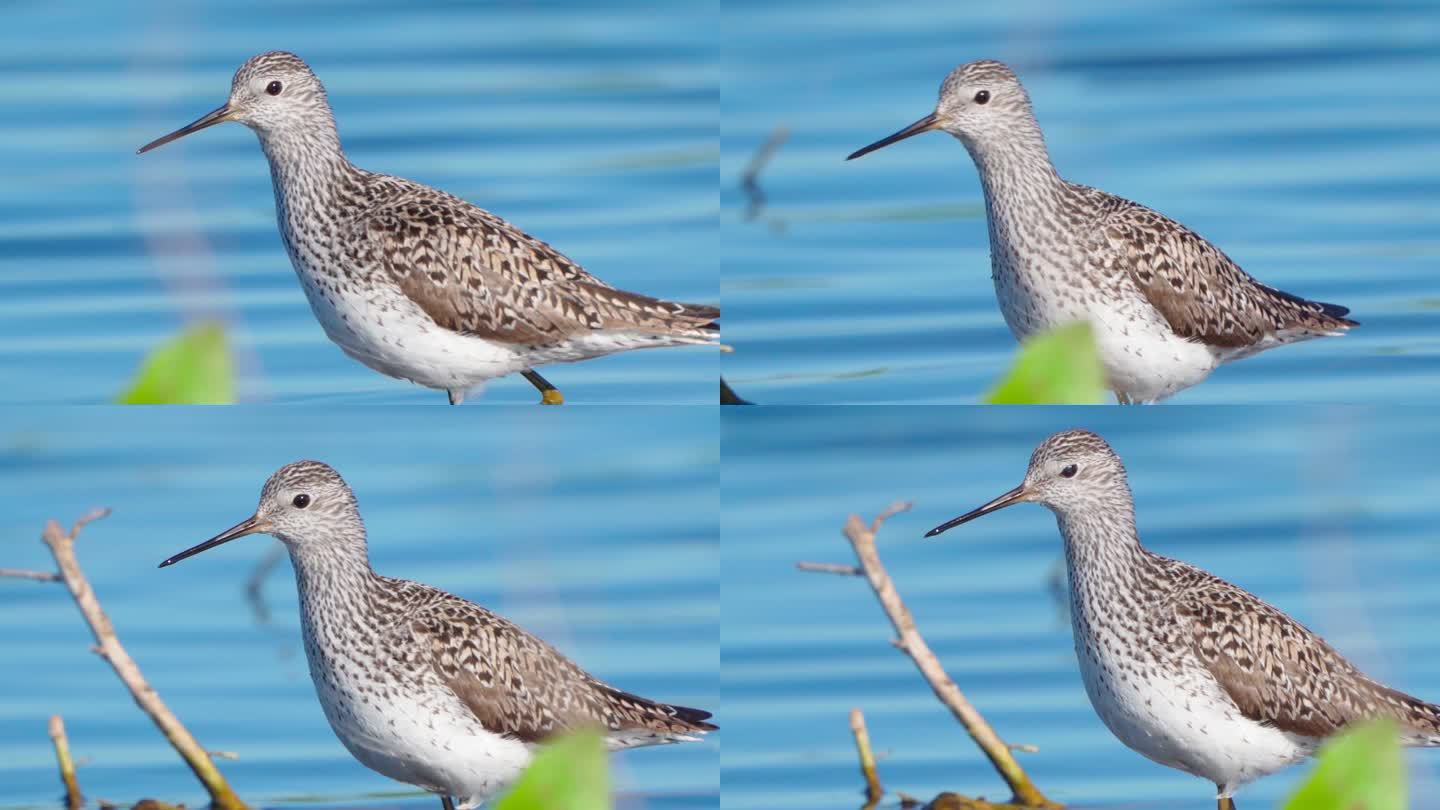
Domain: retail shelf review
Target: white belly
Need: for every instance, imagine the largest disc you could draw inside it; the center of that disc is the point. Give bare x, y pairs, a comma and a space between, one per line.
391, 335
1143, 359
429, 739
394, 337
1183, 721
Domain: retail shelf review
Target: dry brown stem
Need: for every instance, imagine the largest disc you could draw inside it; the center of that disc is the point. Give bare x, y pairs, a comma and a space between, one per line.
873, 789
107, 646
909, 641
73, 799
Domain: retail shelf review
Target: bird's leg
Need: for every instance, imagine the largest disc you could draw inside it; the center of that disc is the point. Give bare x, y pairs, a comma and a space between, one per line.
447, 803
1223, 802
1122, 399
549, 394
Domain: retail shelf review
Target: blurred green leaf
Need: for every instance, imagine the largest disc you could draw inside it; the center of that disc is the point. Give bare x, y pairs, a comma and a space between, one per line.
1058, 367
1362, 769
568, 774
193, 368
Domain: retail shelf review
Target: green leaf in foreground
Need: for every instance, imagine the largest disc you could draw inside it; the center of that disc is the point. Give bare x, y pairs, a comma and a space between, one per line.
193, 368
1058, 367
569, 773
1362, 769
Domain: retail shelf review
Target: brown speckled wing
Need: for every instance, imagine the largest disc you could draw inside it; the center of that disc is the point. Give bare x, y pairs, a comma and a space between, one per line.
1197, 289
476, 274
1280, 673
516, 684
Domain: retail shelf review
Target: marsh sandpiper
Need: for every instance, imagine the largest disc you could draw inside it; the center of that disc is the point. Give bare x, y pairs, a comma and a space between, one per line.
419, 684
1166, 306
419, 284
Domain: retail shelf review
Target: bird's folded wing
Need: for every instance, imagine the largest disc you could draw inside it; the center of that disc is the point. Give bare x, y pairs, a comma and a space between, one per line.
1276, 671
1202, 294
517, 685
475, 281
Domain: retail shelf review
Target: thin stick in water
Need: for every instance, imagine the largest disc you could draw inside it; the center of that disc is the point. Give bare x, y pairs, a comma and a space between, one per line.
73, 799
873, 789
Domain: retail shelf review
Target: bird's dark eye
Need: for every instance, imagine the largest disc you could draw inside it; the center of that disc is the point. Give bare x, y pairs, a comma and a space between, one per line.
1069, 471
980, 98
301, 501
273, 88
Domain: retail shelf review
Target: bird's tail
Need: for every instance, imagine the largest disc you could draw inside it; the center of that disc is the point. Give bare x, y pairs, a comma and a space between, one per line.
624, 311
1312, 316
1419, 720
645, 722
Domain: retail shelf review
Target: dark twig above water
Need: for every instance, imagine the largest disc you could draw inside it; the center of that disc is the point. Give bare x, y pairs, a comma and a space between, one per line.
728, 395
909, 641
255, 585
750, 180
107, 645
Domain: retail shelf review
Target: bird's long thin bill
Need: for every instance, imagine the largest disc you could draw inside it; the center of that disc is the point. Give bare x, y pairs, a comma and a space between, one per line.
250, 525
923, 125
219, 115
1008, 499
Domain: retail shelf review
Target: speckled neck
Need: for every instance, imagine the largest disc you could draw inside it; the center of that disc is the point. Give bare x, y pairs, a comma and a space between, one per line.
307, 166
335, 583
1113, 583
1023, 192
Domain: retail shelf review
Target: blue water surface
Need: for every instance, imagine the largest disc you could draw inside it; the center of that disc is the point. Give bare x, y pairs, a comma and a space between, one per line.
1302, 139
1327, 513
591, 126
594, 529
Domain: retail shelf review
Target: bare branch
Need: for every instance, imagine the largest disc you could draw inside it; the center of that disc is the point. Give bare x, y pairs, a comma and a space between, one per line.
830, 568
73, 799
62, 546
890, 511
26, 573
862, 539
98, 513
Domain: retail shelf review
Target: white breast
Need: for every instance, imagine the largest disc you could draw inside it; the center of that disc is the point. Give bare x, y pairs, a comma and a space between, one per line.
420, 735
1177, 717
1143, 358
386, 331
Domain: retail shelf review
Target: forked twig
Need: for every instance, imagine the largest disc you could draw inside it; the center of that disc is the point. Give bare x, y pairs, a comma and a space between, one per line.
750, 180
108, 647
909, 641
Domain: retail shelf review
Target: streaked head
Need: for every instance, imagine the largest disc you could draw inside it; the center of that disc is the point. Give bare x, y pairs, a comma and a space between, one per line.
270, 92
306, 505
979, 101
1071, 472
